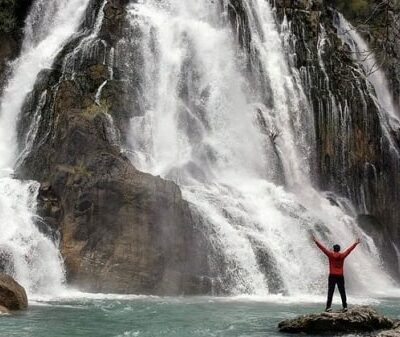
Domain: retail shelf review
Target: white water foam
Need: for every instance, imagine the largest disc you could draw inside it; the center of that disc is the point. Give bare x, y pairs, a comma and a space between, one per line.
31, 257
26, 253
200, 130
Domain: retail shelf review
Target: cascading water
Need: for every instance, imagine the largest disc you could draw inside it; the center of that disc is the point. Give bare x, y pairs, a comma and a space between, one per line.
206, 126
379, 91
239, 146
30, 256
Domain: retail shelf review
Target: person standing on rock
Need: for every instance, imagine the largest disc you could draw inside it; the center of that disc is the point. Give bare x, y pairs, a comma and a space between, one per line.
336, 261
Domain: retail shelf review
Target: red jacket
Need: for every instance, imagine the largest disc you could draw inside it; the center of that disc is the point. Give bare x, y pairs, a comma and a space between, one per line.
336, 260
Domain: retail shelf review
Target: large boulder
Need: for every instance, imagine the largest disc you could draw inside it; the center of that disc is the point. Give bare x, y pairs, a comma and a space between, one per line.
357, 319
12, 294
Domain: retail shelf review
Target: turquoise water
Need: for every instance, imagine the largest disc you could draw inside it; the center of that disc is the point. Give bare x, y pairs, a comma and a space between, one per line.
155, 316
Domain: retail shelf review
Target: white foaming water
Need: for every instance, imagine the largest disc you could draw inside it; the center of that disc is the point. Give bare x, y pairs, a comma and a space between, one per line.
200, 129
55, 29
390, 116
28, 255
31, 257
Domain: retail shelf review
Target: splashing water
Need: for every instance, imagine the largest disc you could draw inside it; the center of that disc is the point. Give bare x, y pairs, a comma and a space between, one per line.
229, 144
206, 126
25, 253
31, 257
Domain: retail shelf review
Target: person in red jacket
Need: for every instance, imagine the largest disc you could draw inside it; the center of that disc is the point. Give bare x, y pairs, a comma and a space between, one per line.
336, 261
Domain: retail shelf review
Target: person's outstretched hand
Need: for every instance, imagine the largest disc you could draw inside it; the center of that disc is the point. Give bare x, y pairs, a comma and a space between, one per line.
358, 240
313, 237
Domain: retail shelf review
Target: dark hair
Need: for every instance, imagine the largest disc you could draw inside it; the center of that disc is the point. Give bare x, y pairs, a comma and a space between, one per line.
336, 248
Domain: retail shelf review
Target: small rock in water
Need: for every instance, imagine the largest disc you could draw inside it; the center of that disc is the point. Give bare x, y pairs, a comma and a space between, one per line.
356, 319
4, 310
12, 295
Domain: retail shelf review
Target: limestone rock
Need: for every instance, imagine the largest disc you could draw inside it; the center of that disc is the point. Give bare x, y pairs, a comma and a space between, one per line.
357, 319
12, 295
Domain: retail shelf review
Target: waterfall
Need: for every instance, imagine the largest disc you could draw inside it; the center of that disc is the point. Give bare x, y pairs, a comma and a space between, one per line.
379, 89
30, 256
216, 133
232, 127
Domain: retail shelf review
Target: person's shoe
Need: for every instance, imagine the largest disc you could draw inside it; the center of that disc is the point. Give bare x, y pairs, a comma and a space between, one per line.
344, 309
328, 310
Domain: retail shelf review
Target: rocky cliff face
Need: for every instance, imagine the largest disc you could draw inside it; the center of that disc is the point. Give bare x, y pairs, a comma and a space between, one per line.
356, 158
121, 230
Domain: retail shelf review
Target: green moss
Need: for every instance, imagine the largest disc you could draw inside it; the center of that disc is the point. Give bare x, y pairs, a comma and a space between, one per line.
96, 109
77, 170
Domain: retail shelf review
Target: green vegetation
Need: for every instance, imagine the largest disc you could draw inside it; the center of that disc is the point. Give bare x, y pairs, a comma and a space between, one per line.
379, 21
8, 17
367, 9
354, 7
95, 109
12, 15
77, 170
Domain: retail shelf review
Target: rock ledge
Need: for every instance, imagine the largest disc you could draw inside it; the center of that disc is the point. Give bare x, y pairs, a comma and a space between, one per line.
357, 319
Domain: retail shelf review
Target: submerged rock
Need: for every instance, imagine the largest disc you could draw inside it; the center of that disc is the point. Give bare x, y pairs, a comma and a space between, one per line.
12, 295
357, 319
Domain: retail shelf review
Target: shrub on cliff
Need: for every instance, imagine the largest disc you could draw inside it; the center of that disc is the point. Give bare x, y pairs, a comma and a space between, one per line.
354, 7
8, 20
12, 15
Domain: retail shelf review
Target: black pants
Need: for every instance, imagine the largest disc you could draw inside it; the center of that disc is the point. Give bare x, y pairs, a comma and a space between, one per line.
332, 281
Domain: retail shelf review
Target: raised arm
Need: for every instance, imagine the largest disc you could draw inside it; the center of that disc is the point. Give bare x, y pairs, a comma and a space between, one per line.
350, 249
321, 246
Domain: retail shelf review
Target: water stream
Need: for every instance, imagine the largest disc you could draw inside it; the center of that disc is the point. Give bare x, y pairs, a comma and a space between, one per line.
208, 128
240, 147
27, 254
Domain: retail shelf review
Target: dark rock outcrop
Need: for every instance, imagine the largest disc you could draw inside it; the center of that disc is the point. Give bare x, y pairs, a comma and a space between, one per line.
12, 294
9, 47
357, 319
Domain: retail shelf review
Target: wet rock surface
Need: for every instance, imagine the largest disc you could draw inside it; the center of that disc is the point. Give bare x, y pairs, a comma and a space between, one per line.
12, 295
355, 157
358, 319
395, 332
120, 230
